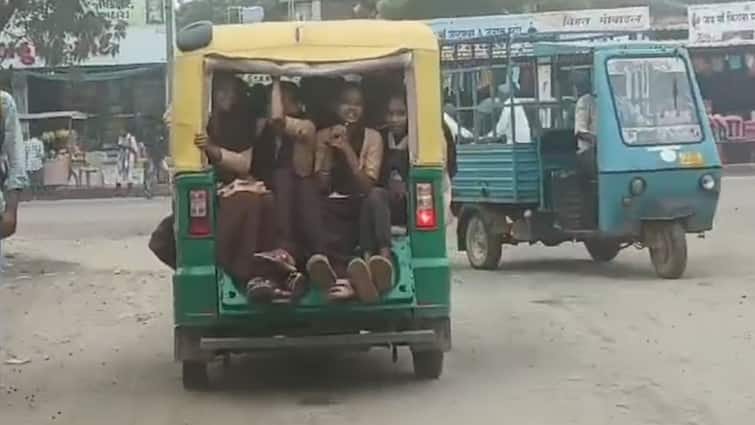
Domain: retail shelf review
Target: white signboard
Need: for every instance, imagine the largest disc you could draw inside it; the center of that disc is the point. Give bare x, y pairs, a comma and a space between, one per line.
252, 15
629, 19
730, 23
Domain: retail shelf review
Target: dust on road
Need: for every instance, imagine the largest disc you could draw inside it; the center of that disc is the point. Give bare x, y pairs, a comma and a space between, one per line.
552, 338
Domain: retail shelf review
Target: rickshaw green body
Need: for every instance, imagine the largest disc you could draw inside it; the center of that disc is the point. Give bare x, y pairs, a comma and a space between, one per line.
211, 316
206, 297
497, 180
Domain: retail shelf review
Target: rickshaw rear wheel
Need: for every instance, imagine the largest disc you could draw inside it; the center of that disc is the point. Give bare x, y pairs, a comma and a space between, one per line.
428, 364
602, 250
668, 249
483, 246
195, 376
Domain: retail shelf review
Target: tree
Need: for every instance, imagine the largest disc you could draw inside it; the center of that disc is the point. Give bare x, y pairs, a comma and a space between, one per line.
60, 31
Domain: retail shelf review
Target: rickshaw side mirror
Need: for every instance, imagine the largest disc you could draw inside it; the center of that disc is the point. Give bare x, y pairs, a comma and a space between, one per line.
194, 36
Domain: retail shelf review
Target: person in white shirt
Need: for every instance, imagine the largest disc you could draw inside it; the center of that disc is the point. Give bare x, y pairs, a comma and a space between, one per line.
35, 162
128, 154
519, 128
585, 126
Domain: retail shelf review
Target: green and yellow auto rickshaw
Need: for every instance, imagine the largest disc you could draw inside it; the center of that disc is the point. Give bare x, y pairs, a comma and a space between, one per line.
211, 317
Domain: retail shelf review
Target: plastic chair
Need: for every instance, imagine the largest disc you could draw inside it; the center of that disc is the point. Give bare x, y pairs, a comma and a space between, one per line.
719, 127
749, 131
735, 127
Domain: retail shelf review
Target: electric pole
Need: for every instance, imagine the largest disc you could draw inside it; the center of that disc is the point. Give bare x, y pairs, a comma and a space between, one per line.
170, 38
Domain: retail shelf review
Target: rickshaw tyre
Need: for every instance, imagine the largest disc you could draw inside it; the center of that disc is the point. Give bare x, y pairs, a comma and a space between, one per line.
602, 251
494, 244
674, 238
428, 364
194, 376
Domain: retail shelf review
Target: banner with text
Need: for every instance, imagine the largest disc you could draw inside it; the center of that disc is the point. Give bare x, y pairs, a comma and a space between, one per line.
722, 23
629, 19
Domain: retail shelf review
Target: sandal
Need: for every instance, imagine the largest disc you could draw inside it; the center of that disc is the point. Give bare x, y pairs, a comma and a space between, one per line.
280, 259
296, 286
320, 272
341, 290
381, 270
361, 281
260, 291
281, 296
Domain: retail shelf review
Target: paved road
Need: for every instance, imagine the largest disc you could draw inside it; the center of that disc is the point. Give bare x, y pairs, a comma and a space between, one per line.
550, 339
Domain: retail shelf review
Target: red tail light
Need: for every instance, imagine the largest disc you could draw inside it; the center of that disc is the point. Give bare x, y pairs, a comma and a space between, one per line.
425, 215
199, 213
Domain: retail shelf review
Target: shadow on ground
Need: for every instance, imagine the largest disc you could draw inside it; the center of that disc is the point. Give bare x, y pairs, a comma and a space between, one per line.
18, 265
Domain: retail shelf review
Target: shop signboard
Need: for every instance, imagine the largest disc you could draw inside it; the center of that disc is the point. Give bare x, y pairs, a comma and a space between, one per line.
596, 21
600, 24
722, 23
144, 43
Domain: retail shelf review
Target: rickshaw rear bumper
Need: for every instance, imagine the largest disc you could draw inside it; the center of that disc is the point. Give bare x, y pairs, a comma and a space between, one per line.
421, 338
199, 344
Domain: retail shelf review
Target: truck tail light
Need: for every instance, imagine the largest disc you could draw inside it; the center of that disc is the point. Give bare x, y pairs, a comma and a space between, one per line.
425, 214
199, 213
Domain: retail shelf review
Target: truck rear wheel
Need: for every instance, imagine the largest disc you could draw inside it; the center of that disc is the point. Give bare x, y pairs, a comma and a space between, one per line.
483, 246
428, 365
195, 376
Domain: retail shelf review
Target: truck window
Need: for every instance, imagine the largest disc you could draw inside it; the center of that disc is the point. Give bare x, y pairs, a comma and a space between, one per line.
654, 100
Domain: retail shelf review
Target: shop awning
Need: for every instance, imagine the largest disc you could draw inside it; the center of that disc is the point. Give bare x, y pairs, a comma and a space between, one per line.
72, 115
95, 74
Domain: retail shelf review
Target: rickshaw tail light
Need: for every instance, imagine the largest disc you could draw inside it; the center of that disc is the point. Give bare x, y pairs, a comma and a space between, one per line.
425, 214
199, 217
199, 227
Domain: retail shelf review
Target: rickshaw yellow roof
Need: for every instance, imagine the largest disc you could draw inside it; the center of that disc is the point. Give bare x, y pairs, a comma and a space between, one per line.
319, 41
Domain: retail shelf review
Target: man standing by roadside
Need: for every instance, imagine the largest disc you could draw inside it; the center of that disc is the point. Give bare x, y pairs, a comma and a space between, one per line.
35, 161
13, 177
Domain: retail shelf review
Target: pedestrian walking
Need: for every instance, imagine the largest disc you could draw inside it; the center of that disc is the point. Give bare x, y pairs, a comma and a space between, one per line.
35, 161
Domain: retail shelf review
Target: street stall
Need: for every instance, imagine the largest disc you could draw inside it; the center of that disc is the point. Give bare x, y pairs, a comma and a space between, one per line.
722, 45
60, 132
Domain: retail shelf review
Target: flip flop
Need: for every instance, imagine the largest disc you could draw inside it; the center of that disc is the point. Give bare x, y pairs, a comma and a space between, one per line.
296, 286
280, 259
260, 291
361, 281
320, 272
341, 291
381, 269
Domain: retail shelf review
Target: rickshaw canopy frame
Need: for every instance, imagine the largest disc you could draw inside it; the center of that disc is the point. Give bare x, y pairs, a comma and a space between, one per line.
327, 47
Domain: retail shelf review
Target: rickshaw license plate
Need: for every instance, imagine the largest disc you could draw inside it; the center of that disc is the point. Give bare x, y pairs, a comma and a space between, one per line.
691, 159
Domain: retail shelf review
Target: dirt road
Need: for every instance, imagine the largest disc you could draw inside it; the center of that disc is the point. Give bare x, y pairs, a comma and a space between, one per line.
550, 339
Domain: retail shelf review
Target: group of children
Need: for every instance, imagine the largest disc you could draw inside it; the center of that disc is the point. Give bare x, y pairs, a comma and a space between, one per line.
313, 177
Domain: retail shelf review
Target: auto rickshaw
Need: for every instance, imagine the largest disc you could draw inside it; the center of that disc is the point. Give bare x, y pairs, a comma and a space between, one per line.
211, 317
656, 172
